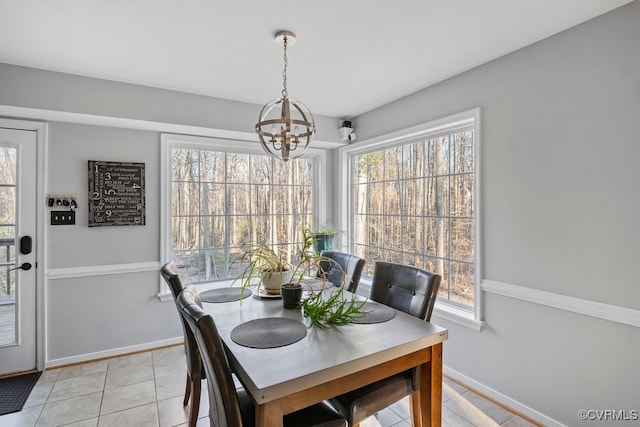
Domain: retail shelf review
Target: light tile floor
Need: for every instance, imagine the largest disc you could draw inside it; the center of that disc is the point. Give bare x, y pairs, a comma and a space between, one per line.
146, 389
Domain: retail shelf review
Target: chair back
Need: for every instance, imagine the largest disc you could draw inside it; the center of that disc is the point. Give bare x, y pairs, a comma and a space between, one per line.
169, 272
224, 409
405, 288
342, 266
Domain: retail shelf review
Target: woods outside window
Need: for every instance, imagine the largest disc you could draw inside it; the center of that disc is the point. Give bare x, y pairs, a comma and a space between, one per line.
413, 200
219, 200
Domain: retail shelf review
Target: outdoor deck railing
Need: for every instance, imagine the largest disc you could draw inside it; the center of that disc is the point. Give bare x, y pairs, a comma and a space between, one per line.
6, 264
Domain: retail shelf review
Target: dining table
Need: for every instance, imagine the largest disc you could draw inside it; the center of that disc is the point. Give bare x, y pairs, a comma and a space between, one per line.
313, 363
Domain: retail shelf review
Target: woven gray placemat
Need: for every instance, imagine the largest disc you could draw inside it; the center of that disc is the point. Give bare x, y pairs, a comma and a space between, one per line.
376, 313
224, 295
268, 332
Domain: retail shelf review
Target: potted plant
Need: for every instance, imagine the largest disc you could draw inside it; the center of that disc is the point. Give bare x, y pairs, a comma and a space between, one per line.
306, 266
264, 263
324, 237
276, 274
321, 308
290, 278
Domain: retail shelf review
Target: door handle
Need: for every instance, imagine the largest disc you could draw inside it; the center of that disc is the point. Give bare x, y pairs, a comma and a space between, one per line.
26, 266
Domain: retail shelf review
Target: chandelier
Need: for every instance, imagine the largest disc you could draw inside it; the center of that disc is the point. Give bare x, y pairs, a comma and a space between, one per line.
285, 126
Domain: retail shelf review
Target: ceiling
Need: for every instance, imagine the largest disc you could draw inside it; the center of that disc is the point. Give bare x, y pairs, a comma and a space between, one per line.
350, 56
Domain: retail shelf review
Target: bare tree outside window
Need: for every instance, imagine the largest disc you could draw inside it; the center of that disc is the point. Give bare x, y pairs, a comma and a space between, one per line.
221, 201
414, 204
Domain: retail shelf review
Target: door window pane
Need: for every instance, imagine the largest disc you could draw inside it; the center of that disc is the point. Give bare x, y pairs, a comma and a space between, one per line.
7, 244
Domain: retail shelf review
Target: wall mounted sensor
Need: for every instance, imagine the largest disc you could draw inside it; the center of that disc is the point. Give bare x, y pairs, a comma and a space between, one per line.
346, 131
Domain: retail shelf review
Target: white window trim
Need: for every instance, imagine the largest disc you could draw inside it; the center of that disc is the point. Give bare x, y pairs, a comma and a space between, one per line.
169, 141
431, 128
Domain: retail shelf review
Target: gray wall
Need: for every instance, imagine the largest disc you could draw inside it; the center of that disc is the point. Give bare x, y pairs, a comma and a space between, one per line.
99, 313
70, 147
560, 196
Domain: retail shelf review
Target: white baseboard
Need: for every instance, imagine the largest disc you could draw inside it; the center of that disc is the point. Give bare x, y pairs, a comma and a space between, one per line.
102, 270
112, 352
613, 313
502, 399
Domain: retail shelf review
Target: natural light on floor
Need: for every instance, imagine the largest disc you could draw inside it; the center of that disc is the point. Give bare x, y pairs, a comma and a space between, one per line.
146, 389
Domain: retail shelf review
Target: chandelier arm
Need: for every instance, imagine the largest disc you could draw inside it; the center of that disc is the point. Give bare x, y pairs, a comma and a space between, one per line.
292, 121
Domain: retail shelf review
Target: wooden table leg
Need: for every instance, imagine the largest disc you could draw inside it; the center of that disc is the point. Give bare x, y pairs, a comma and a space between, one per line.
431, 389
416, 411
269, 414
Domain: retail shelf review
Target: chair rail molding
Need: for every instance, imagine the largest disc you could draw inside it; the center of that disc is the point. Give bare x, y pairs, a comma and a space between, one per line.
613, 313
102, 270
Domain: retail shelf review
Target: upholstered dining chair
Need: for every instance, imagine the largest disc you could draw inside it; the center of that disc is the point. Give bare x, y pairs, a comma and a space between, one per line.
228, 405
342, 266
413, 291
195, 370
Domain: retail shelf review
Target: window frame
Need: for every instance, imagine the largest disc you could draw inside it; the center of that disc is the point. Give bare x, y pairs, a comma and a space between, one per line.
438, 127
170, 141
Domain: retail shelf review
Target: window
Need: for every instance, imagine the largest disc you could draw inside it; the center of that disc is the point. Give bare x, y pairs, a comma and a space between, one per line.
8, 196
414, 201
219, 199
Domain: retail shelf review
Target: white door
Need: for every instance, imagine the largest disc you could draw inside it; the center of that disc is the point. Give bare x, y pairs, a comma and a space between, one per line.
17, 250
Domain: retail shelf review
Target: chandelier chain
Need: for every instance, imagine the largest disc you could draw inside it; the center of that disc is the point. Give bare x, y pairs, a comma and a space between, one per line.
284, 71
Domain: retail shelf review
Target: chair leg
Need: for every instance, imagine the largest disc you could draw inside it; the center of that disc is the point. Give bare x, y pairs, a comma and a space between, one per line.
195, 402
187, 391
416, 417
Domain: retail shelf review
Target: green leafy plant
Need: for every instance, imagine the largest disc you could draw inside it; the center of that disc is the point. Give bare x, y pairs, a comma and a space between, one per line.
326, 230
308, 262
334, 309
260, 259
321, 308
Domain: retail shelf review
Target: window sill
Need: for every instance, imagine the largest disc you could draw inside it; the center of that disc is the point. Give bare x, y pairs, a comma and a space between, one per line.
456, 315
443, 311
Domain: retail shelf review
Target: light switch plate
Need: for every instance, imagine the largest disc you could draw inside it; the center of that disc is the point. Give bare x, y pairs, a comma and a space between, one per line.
63, 217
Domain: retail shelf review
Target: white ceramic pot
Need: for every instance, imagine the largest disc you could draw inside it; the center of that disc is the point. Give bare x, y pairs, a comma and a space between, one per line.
272, 280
